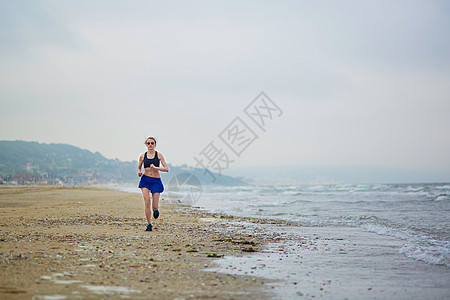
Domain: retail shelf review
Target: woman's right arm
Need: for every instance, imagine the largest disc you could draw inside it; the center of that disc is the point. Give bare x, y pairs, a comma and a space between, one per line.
141, 160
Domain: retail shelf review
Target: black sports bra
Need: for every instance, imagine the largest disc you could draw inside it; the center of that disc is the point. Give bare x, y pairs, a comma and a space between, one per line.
154, 160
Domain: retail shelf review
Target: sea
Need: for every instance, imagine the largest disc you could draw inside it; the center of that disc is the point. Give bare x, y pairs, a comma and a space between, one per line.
417, 214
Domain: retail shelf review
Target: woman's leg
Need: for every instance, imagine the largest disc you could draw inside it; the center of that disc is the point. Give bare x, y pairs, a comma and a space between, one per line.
155, 197
148, 210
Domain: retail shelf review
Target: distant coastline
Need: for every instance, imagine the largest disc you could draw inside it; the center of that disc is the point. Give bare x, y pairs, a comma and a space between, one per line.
24, 163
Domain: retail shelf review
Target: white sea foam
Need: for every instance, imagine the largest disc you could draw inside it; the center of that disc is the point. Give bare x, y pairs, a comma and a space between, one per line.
49, 297
436, 252
67, 281
442, 197
102, 289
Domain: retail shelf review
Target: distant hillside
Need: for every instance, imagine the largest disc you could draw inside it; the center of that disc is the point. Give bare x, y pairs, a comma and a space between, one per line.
32, 162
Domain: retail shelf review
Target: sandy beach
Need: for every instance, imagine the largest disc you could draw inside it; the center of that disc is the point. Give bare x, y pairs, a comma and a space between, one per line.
87, 242
90, 243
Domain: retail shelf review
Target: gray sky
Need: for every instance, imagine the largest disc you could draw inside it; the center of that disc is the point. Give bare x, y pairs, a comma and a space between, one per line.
360, 83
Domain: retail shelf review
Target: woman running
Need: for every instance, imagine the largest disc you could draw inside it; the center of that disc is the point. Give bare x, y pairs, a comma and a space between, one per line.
150, 179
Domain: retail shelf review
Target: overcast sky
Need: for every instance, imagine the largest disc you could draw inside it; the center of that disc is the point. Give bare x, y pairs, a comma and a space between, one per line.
359, 83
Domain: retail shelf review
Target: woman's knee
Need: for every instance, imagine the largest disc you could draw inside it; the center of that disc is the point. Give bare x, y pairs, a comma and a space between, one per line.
147, 200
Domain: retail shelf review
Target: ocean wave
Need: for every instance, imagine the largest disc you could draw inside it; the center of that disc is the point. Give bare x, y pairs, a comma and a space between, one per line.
418, 245
431, 252
443, 187
442, 197
292, 193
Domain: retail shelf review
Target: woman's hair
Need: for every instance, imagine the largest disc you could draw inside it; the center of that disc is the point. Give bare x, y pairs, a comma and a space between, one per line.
150, 138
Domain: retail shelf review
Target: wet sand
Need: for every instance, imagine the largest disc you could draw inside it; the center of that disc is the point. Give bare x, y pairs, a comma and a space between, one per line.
90, 243
338, 263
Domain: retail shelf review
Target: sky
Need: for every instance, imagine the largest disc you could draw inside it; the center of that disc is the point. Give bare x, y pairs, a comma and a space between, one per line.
350, 83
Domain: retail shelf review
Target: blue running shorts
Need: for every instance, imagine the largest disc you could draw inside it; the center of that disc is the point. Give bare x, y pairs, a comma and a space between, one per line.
151, 183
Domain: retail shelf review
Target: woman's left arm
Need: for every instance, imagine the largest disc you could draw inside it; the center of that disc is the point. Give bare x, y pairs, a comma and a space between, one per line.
165, 168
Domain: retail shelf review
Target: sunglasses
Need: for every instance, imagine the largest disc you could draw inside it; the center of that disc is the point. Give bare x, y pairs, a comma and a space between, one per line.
150, 143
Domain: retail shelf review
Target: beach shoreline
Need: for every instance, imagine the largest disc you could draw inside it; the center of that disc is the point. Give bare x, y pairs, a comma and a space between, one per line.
337, 262
84, 242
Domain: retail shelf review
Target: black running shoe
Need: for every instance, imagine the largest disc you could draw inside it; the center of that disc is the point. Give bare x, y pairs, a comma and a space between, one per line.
149, 227
156, 214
